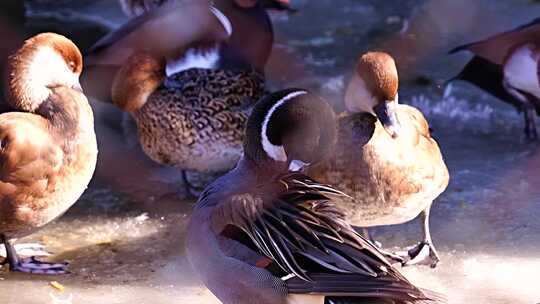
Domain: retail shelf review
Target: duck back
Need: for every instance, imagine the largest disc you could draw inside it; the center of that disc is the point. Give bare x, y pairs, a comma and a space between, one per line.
197, 118
386, 176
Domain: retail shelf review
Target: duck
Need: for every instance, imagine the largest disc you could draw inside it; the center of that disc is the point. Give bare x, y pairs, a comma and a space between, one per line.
212, 35
506, 66
48, 144
385, 157
282, 234
190, 103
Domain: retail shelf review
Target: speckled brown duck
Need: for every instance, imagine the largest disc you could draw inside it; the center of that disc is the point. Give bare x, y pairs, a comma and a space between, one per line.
195, 120
385, 157
49, 148
191, 95
264, 233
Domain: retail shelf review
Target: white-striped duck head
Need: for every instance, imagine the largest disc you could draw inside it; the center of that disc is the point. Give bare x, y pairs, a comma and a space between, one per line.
290, 129
374, 89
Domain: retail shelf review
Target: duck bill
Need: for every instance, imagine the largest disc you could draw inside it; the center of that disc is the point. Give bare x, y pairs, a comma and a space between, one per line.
387, 114
77, 86
297, 165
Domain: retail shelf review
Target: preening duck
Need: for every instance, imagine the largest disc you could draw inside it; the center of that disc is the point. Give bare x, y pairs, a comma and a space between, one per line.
48, 146
385, 157
264, 233
189, 86
506, 65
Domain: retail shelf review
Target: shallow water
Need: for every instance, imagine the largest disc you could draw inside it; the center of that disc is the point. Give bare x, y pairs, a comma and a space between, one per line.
124, 239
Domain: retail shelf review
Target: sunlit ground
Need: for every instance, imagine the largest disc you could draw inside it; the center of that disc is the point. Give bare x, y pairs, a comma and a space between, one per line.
125, 237
122, 251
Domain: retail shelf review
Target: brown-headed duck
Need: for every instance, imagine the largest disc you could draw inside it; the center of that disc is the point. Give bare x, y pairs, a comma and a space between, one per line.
385, 157
48, 146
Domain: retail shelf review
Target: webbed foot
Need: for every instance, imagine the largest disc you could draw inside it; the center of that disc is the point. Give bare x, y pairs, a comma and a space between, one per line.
31, 265
422, 254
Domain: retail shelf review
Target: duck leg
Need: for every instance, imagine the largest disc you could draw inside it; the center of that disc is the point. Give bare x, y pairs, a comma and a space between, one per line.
188, 189
27, 250
528, 108
394, 258
187, 185
424, 253
367, 235
530, 122
30, 265
197, 181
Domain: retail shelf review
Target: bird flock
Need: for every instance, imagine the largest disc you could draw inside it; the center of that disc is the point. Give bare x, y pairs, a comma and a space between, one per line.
290, 186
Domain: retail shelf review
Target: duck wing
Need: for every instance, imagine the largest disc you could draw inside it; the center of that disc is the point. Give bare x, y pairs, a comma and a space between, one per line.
169, 31
29, 158
295, 223
495, 48
488, 76
166, 31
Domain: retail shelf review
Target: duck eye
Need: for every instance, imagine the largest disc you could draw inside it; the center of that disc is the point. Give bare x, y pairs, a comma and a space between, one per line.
72, 65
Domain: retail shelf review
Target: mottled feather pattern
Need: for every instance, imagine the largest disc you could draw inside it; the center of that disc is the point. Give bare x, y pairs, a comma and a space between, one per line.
196, 120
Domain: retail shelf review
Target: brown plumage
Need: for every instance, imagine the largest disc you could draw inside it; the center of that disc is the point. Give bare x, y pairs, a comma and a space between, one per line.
393, 176
381, 79
183, 123
49, 148
189, 74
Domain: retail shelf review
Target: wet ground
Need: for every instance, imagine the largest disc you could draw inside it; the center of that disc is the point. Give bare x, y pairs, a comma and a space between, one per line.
124, 239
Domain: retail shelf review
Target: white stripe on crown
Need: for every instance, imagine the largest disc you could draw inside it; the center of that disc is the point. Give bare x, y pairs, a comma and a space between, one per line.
276, 153
223, 19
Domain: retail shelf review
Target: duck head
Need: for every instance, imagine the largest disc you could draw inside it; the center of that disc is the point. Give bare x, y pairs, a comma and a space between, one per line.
290, 129
374, 89
44, 61
140, 75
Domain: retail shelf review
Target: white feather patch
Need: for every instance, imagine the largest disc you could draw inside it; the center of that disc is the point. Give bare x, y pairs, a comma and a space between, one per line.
297, 165
276, 153
47, 68
193, 58
358, 97
521, 70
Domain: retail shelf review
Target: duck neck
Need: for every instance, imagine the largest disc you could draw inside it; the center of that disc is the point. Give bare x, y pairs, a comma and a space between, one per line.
68, 113
252, 172
262, 171
252, 37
